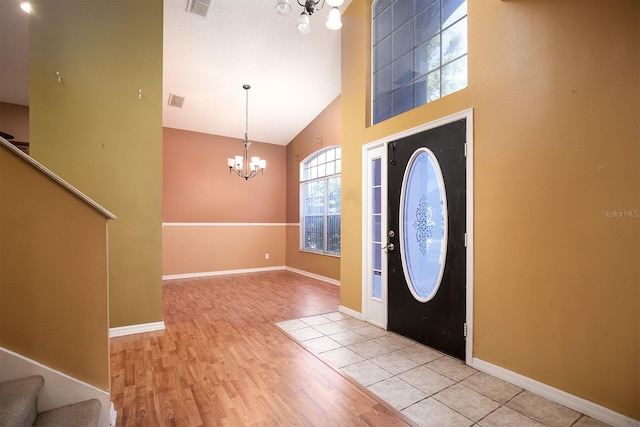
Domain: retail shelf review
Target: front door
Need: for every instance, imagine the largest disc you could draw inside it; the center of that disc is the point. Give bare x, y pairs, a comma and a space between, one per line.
426, 223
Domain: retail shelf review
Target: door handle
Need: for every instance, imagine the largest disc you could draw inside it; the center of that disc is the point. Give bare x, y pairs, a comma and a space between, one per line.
389, 246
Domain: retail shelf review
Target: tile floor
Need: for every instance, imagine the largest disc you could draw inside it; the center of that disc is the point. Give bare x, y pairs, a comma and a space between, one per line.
430, 388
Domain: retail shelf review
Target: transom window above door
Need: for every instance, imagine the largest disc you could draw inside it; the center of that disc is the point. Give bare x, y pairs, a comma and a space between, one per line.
419, 53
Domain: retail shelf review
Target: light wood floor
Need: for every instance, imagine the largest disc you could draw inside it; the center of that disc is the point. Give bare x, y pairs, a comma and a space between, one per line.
222, 362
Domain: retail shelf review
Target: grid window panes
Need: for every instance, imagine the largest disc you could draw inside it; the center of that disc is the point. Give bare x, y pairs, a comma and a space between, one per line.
320, 202
376, 221
419, 53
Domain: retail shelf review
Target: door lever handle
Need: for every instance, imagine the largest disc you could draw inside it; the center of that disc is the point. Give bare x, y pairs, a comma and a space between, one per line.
389, 246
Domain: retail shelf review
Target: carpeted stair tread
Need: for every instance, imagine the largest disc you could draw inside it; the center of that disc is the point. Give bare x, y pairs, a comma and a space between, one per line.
18, 401
82, 414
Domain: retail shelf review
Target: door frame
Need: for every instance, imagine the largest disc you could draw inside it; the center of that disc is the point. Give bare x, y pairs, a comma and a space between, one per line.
367, 244
366, 202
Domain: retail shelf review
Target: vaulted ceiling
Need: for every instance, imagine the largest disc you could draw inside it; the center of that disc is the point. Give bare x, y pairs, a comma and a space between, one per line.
207, 60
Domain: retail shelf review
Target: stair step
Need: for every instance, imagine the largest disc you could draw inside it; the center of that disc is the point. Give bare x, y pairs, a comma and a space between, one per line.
81, 414
18, 401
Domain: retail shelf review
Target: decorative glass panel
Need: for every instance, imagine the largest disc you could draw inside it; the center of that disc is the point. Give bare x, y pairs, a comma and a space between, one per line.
423, 225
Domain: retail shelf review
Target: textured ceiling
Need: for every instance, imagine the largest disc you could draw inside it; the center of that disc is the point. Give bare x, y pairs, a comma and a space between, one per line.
208, 59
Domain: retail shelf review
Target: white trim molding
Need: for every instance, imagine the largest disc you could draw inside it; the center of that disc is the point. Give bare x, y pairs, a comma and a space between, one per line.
250, 270
314, 276
576, 403
49, 174
464, 114
220, 273
59, 388
224, 224
350, 312
136, 329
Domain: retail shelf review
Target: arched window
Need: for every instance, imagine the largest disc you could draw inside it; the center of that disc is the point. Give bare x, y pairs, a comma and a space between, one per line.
419, 53
320, 202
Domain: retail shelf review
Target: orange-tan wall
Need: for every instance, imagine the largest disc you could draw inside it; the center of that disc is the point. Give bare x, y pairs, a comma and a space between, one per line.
216, 221
53, 275
555, 88
94, 131
324, 131
14, 120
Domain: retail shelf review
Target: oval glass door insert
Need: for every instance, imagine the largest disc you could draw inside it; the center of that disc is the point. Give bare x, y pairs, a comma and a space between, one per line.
423, 224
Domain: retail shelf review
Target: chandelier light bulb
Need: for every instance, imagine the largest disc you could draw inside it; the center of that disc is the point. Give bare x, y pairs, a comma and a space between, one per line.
335, 3
334, 22
303, 26
283, 7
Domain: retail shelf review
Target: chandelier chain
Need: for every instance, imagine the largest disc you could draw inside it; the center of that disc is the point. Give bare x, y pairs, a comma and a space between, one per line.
246, 123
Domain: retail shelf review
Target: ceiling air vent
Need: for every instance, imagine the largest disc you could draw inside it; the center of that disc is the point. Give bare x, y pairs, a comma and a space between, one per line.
199, 7
175, 100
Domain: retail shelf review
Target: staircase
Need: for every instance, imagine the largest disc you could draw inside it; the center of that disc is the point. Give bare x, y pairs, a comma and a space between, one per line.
18, 407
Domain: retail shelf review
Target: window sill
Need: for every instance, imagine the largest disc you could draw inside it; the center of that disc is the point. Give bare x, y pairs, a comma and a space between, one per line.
319, 253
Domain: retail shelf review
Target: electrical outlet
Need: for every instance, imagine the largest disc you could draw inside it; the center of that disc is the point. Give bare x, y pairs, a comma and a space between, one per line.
266, 256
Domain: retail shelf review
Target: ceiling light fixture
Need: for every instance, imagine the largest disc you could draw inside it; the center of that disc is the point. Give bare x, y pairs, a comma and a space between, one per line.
334, 22
244, 166
25, 6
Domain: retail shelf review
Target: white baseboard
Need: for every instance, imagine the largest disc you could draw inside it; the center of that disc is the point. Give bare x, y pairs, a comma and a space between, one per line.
136, 329
314, 276
59, 389
350, 312
576, 403
219, 273
250, 270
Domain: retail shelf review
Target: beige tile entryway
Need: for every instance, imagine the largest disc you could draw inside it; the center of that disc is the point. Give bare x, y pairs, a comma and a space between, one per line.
430, 388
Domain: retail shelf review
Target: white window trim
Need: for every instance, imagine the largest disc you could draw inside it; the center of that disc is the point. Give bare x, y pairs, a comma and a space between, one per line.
326, 215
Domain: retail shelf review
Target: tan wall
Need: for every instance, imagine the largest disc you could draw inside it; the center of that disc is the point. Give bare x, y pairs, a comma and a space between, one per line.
197, 185
239, 220
14, 120
219, 247
94, 132
555, 89
323, 131
53, 275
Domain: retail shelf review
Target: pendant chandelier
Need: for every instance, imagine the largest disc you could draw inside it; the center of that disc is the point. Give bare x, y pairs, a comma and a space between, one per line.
244, 166
334, 22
